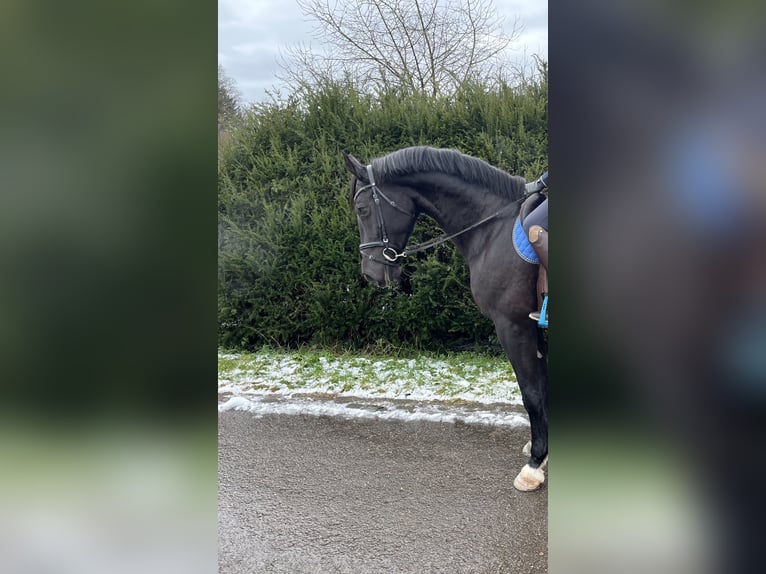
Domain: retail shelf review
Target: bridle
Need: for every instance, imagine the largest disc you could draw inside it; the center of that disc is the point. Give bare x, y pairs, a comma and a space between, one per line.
390, 254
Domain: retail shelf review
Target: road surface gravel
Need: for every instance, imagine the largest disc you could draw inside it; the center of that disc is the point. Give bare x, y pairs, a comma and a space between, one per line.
319, 494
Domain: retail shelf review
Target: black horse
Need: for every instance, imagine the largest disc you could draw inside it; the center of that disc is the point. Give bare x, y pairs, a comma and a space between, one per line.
476, 205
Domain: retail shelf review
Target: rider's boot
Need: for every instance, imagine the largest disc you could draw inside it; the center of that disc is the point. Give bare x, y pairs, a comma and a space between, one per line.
538, 237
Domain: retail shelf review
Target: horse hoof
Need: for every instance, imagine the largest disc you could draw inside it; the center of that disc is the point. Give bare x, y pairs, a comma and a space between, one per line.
527, 450
529, 479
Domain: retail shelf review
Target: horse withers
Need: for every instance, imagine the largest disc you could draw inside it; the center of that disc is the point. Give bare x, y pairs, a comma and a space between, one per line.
476, 205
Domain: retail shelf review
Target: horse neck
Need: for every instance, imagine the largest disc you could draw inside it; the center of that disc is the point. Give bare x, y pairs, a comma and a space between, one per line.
455, 205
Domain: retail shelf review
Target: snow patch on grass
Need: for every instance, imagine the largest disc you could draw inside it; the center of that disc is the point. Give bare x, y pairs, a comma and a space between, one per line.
463, 377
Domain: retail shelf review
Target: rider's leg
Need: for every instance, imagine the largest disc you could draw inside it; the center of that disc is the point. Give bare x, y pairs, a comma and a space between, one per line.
538, 237
538, 216
536, 225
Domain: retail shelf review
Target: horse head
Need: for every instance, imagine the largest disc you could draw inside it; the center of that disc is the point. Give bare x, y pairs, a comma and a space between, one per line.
385, 215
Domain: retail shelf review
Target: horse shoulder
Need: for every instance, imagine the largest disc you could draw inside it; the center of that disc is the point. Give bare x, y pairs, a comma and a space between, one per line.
502, 284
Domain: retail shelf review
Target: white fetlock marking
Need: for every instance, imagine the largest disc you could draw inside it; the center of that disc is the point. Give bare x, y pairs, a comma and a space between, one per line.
529, 478
544, 463
527, 450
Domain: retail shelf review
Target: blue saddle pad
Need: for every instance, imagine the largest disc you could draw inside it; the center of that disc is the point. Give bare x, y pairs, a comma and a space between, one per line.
522, 245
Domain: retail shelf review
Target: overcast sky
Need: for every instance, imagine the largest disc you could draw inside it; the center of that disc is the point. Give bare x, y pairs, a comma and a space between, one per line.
251, 34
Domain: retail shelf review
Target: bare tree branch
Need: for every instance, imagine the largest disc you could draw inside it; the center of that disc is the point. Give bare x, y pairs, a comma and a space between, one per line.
421, 45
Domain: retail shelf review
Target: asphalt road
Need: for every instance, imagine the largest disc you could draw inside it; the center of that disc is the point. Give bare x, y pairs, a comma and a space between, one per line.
302, 494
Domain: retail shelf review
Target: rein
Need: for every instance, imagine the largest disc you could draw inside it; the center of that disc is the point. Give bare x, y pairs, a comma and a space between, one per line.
389, 253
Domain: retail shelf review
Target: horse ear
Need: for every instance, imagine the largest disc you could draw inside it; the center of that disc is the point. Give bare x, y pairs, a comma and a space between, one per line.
355, 167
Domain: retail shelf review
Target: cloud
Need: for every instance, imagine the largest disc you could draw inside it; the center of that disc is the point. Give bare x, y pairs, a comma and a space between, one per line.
244, 13
255, 48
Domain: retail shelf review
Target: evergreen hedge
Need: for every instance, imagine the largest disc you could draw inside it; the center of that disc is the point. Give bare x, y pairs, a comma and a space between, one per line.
289, 265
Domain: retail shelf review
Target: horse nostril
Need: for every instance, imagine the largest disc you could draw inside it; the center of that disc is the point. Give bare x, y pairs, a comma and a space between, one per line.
368, 278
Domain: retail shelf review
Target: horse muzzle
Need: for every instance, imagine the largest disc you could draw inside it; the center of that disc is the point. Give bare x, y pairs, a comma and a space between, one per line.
381, 275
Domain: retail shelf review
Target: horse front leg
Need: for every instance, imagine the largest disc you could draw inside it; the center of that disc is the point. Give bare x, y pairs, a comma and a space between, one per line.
520, 342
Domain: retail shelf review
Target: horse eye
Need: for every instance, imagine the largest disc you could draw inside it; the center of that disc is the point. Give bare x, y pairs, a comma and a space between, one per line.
363, 211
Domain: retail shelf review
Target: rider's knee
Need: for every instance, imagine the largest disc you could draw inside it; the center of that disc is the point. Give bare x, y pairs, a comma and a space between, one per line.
535, 233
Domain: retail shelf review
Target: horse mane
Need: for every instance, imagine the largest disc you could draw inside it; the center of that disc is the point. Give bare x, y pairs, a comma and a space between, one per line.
419, 159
